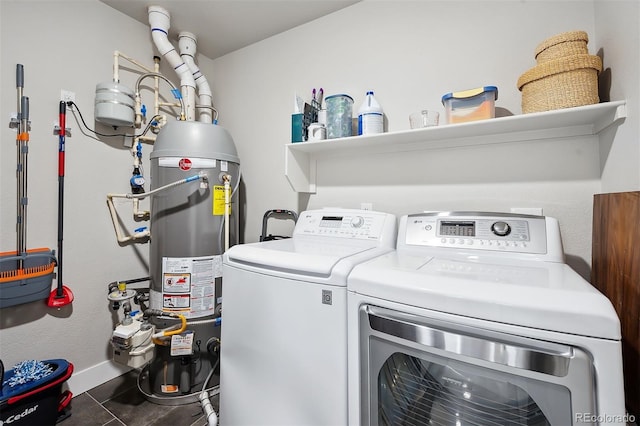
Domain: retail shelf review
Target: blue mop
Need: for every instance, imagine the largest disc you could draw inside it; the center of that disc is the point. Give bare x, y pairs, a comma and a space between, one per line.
28, 371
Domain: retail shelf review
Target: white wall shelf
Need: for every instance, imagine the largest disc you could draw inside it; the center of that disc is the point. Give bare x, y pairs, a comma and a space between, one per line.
301, 158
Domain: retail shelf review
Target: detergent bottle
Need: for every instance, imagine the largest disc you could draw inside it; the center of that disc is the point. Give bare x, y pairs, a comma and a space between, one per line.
370, 116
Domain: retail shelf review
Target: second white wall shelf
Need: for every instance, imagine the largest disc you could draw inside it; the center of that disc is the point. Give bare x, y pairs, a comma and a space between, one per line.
301, 158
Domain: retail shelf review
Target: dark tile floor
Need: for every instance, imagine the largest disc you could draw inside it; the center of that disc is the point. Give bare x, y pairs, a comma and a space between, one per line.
119, 402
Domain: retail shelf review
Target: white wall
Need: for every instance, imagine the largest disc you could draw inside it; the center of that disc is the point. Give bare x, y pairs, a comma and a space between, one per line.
410, 53
618, 35
69, 45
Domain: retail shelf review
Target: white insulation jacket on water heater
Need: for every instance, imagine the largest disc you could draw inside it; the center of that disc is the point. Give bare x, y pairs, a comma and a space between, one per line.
187, 222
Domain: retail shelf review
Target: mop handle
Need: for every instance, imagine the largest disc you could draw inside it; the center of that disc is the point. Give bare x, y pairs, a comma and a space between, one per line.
23, 150
25, 114
62, 123
19, 88
20, 75
19, 166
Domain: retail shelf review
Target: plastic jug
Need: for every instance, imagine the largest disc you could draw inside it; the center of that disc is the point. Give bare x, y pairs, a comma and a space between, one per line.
370, 116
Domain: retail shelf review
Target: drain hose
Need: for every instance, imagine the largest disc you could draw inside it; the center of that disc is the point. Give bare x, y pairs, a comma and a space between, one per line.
207, 407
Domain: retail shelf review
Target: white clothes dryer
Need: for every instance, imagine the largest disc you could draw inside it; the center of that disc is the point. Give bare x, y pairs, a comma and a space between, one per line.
284, 319
476, 319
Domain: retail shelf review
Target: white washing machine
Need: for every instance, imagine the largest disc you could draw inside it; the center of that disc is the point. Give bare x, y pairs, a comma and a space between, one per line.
477, 320
284, 319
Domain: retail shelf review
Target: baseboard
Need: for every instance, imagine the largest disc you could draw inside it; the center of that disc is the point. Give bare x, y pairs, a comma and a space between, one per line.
89, 378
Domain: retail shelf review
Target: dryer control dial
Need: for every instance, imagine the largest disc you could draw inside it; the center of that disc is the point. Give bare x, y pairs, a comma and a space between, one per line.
357, 221
501, 229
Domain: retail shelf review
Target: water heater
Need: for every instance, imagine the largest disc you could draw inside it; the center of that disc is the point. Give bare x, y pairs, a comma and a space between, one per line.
187, 228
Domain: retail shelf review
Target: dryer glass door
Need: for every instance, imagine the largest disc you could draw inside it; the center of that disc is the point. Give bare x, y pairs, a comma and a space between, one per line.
420, 371
412, 390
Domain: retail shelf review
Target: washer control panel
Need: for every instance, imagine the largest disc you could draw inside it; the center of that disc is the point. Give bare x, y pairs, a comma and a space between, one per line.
345, 223
478, 231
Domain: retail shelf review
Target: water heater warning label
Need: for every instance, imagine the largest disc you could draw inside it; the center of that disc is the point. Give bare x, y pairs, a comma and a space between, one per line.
177, 302
182, 344
219, 200
177, 283
188, 284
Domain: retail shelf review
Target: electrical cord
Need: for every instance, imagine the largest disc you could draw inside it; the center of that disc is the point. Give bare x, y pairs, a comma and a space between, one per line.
75, 108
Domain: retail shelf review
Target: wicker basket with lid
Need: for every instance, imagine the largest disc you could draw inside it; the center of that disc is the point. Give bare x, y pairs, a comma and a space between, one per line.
561, 83
570, 43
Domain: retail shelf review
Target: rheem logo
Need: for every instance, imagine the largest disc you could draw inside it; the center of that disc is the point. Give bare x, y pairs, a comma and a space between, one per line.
185, 164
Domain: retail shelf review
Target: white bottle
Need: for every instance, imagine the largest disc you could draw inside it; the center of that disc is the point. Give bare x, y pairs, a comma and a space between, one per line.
370, 116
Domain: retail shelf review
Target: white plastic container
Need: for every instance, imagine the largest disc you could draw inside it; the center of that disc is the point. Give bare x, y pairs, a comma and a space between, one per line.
370, 116
470, 105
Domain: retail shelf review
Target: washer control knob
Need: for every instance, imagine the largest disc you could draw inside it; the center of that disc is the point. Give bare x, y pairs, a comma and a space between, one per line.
357, 222
501, 229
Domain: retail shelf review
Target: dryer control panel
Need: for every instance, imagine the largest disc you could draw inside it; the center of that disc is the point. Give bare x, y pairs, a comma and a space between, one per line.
346, 223
497, 232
